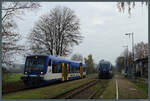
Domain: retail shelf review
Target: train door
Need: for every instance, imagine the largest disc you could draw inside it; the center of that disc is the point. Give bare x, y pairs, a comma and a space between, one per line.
81, 71
65, 70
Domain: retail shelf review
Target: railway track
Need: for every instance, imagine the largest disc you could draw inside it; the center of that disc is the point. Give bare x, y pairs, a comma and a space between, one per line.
84, 91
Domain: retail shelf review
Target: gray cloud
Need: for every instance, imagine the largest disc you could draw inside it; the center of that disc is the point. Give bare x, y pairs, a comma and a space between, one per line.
102, 26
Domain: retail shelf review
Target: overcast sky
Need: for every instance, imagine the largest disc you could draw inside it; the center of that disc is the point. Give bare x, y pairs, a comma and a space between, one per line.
102, 26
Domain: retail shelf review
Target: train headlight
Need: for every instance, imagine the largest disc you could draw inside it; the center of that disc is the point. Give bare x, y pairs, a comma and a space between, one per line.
41, 72
25, 72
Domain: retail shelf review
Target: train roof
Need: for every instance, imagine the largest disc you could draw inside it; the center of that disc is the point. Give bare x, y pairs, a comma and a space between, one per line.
36, 55
59, 59
104, 62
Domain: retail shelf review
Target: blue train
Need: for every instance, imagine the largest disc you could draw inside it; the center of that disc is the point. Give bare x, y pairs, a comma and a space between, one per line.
104, 69
43, 69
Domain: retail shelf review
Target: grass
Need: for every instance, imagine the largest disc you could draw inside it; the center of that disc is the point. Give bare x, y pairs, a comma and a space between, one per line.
128, 89
11, 82
110, 92
141, 85
92, 75
11, 77
46, 92
100, 87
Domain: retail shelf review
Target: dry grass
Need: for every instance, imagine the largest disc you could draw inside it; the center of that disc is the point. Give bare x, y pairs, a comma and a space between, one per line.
110, 92
48, 91
128, 90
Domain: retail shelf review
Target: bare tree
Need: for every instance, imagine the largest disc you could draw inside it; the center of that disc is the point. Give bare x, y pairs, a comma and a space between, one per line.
10, 36
120, 63
77, 57
141, 50
55, 33
129, 5
90, 64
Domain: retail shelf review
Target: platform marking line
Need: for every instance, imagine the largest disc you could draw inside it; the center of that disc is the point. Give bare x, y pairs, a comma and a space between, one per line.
116, 90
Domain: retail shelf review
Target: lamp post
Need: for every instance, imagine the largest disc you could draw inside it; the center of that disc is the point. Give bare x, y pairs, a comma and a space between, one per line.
132, 52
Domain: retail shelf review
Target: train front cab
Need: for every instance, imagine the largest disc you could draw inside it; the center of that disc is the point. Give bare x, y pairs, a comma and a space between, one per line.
34, 75
105, 74
104, 70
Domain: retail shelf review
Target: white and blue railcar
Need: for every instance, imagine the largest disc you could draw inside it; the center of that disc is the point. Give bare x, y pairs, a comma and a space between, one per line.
43, 69
104, 69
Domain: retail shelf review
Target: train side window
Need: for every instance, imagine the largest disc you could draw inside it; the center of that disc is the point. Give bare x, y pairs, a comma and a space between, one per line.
74, 70
50, 63
59, 68
54, 68
70, 69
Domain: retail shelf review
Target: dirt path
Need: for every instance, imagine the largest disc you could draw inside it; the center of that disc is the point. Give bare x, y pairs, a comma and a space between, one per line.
127, 90
120, 87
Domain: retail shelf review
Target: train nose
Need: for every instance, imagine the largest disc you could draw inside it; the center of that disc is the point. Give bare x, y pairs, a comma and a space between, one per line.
104, 70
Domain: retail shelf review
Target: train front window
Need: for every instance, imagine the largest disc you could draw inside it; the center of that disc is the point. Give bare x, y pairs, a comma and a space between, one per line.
35, 63
104, 66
